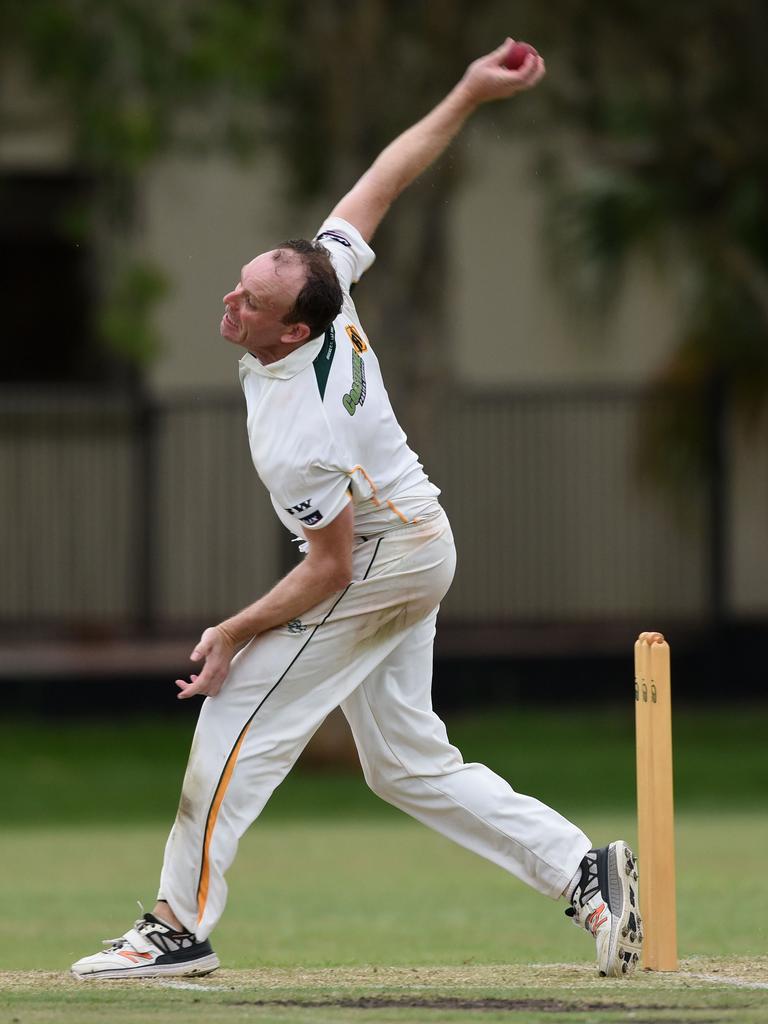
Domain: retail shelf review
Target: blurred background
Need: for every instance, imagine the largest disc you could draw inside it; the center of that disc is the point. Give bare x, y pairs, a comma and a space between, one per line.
571, 311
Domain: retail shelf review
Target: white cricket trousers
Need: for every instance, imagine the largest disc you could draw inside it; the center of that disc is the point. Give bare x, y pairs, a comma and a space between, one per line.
368, 649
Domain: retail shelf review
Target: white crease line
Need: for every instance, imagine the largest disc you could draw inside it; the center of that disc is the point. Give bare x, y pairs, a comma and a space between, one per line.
736, 982
190, 986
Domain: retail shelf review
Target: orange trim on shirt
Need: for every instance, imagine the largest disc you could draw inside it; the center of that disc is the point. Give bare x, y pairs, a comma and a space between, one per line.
374, 497
397, 511
371, 484
218, 797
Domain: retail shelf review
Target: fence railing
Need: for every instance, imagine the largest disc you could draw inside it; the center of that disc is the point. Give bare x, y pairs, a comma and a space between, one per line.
152, 515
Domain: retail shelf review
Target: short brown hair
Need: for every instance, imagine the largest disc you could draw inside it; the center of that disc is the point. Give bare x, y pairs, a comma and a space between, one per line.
319, 302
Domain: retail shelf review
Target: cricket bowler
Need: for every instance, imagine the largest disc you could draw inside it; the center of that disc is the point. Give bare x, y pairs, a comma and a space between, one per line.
353, 624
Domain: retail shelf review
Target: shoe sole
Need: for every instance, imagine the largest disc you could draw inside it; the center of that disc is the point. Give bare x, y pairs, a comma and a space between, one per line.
194, 968
626, 943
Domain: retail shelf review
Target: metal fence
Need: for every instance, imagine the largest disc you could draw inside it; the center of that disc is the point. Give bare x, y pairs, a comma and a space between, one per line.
152, 515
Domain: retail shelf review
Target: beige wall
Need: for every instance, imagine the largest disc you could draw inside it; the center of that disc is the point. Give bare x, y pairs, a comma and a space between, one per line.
513, 323
34, 132
202, 220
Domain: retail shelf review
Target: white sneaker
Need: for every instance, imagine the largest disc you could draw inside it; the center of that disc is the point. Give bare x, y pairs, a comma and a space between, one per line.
148, 950
605, 903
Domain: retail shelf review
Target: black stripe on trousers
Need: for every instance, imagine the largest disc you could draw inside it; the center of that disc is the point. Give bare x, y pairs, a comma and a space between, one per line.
264, 699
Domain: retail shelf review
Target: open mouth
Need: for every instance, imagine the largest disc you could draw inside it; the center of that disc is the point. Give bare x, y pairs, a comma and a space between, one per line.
230, 321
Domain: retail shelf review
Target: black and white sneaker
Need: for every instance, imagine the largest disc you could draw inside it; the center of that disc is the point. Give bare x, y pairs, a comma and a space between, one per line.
148, 950
605, 903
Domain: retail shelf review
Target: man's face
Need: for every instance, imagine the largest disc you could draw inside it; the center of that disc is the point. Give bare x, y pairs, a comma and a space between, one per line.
255, 308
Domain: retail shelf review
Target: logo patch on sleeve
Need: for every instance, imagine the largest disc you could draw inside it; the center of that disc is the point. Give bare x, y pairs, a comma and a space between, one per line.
356, 338
312, 518
336, 236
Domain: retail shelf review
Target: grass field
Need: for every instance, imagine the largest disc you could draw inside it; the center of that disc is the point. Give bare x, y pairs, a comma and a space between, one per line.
534, 994
342, 909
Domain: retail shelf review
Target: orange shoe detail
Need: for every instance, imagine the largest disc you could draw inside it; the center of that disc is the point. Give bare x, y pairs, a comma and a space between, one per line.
134, 956
592, 922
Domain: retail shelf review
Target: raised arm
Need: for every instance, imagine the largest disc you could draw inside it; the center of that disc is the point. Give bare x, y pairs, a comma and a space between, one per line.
403, 160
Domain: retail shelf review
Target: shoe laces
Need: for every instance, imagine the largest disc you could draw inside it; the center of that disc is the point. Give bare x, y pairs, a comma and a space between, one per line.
121, 941
159, 934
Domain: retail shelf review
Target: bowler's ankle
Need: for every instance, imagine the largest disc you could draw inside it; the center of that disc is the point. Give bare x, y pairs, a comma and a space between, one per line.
163, 912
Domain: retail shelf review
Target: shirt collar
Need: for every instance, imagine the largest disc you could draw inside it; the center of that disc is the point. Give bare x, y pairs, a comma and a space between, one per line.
285, 368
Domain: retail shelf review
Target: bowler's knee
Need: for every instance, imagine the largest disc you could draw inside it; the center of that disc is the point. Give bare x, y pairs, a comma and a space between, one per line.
385, 784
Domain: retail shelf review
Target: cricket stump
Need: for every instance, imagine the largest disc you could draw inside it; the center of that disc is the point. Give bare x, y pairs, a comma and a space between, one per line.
655, 811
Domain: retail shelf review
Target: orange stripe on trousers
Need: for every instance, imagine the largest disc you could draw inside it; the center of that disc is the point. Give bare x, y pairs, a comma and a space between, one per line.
221, 789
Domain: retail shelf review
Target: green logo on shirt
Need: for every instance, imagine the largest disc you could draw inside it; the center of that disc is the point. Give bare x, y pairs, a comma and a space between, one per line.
356, 395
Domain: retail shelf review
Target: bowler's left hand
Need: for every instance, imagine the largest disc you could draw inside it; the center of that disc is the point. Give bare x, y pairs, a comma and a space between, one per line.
215, 648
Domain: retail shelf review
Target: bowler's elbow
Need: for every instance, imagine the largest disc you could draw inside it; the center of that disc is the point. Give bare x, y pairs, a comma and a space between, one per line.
342, 577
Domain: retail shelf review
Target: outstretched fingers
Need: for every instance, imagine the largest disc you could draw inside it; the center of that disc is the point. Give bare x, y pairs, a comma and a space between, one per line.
215, 649
187, 687
207, 683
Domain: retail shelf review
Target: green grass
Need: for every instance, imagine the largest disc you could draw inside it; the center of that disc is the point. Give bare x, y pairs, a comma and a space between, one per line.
326, 914
533, 994
60, 772
335, 897
348, 892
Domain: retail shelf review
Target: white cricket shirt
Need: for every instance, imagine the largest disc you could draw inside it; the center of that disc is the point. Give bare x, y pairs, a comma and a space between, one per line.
320, 425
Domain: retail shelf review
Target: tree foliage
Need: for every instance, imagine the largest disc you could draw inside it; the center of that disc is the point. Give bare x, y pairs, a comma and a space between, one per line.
134, 78
666, 107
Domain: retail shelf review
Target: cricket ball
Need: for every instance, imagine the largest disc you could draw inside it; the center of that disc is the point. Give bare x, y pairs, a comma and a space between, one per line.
515, 57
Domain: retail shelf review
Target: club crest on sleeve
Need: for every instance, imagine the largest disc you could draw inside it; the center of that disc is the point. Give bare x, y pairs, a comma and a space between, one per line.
356, 338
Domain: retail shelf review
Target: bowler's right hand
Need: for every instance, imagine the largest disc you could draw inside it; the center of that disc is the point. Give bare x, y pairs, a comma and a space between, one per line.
488, 78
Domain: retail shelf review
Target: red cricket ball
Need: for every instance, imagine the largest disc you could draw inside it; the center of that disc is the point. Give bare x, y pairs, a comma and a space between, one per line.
515, 57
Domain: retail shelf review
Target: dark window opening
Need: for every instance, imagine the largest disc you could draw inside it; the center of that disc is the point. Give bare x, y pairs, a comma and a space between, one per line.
47, 283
